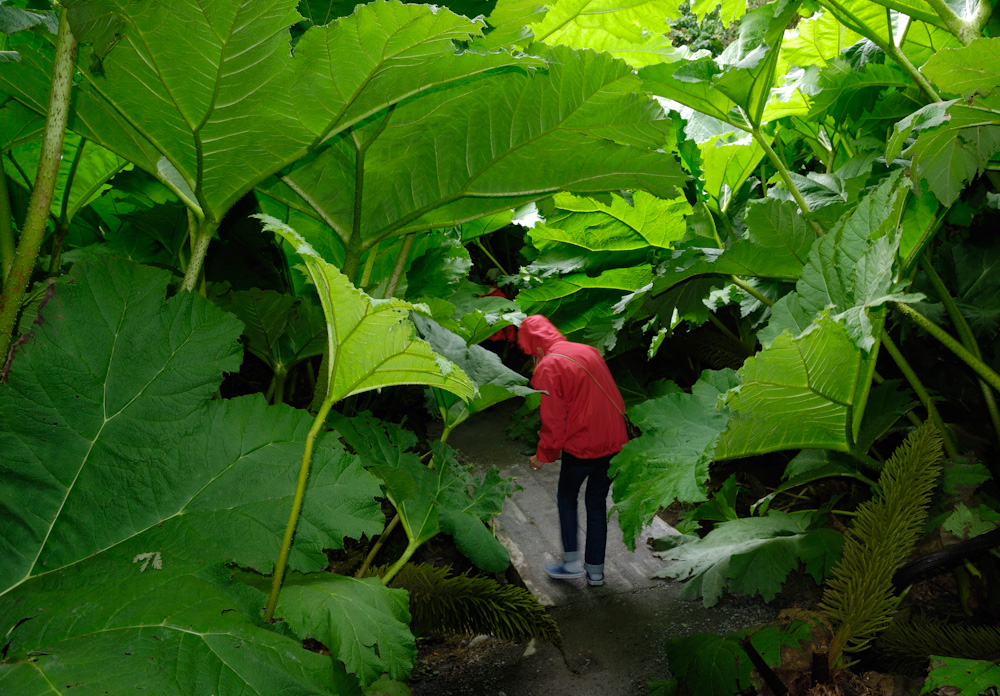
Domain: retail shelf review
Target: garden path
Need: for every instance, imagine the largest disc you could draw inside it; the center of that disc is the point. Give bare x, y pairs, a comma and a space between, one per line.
614, 634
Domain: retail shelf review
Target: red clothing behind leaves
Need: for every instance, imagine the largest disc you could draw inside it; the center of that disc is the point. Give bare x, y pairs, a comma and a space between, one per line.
507, 333
582, 413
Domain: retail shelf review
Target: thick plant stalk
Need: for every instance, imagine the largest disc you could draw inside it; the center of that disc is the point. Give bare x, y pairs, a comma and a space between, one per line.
205, 230
62, 223
785, 176
7, 239
978, 366
966, 31
16, 280
293, 517
397, 270
925, 398
889, 48
370, 558
354, 245
966, 336
366, 274
746, 287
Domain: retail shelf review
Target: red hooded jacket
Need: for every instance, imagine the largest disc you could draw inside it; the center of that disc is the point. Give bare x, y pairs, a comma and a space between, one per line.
583, 412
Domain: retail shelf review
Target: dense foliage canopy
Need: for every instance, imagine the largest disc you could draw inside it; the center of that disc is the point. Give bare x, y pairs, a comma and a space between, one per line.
229, 230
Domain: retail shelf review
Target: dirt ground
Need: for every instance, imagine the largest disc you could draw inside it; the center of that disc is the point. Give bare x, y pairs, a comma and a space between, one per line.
614, 647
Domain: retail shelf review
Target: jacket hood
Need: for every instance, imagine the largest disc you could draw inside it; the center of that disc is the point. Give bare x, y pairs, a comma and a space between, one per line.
537, 332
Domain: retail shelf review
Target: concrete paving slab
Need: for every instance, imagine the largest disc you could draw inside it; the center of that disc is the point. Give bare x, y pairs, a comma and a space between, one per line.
529, 524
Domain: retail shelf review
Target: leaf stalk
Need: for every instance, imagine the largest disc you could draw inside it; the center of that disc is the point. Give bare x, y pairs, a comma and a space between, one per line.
7, 237
845, 17
977, 365
965, 334
293, 517
785, 175
397, 270
922, 394
16, 279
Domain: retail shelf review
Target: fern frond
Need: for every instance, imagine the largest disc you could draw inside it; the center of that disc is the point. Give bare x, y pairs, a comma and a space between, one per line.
473, 605
910, 645
859, 597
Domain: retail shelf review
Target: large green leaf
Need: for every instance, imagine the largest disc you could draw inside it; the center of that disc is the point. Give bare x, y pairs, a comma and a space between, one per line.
84, 171
967, 69
281, 330
644, 222
547, 132
370, 343
111, 625
362, 622
576, 23
210, 98
633, 30
18, 123
736, 86
466, 503
955, 144
726, 165
126, 488
753, 555
776, 245
582, 305
798, 393
850, 270
970, 271
816, 41
968, 676
669, 462
448, 498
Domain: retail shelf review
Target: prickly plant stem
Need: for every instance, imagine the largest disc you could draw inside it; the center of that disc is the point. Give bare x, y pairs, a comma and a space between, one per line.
965, 334
389, 528
411, 548
743, 285
966, 31
7, 239
16, 279
918, 387
366, 274
977, 365
293, 517
397, 270
482, 247
199, 249
785, 175
888, 47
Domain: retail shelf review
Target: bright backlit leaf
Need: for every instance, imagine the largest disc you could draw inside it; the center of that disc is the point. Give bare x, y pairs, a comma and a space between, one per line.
547, 132
967, 69
370, 343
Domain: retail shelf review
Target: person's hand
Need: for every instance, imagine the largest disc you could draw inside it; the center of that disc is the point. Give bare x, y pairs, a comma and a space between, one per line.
534, 463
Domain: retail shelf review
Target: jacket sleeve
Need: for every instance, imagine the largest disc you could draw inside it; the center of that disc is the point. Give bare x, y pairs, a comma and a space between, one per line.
554, 412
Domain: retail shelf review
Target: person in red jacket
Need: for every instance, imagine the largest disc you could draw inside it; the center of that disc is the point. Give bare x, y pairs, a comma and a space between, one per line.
583, 417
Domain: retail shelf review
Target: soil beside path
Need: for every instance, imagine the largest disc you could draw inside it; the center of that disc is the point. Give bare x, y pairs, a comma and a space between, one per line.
614, 635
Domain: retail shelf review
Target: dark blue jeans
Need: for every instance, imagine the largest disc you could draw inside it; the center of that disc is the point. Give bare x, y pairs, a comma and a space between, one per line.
573, 472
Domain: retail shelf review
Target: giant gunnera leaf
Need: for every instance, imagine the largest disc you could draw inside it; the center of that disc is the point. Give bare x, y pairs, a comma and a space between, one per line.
669, 462
753, 555
370, 343
211, 98
125, 490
